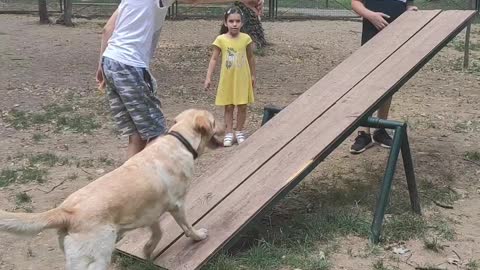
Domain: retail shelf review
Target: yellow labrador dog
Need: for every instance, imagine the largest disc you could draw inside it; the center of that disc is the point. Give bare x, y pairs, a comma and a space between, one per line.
134, 195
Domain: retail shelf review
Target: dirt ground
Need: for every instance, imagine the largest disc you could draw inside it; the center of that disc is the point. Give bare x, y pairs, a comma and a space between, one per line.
45, 65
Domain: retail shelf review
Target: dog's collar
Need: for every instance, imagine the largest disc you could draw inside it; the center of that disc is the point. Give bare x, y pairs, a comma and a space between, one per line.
184, 142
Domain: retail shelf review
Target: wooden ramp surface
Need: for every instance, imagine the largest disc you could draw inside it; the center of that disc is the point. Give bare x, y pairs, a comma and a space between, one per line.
272, 160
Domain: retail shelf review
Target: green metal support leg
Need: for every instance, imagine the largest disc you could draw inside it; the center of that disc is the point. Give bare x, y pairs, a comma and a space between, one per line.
269, 112
410, 175
400, 143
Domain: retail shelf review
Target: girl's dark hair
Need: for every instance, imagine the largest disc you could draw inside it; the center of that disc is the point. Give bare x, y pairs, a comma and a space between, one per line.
228, 12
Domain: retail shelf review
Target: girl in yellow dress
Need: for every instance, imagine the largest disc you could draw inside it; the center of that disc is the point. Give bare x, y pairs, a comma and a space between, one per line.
237, 75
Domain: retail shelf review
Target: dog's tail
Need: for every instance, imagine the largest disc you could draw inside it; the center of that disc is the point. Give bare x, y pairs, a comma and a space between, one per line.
33, 223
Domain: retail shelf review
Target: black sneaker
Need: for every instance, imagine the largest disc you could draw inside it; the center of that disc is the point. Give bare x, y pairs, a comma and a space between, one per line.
362, 143
381, 137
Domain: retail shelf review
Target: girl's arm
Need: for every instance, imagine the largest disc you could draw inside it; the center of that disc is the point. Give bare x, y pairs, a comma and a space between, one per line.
211, 66
251, 62
106, 34
376, 18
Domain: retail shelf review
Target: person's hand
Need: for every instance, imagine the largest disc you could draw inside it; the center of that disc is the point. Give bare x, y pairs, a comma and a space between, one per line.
100, 79
378, 19
207, 84
253, 81
412, 8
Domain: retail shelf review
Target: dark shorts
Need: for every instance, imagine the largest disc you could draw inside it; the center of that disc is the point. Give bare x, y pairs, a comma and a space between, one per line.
392, 8
131, 92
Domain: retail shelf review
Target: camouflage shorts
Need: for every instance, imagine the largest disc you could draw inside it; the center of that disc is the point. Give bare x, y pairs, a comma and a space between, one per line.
131, 92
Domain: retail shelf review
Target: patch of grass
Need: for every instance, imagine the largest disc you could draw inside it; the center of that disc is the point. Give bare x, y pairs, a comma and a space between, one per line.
37, 137
265, 256
34, 168
441, 194
259, 52
30, 174
459, 45
8, 176
379, 265
48, 159
106, 160
404, 227
223, 261
467, 126
72, 176
51, 113
18, 119
473, 155
22, 198
371, 249
442, 227
22, 175
86, 163
63, 117
129, 263
77, 123
472, 265
432, 244
429, 267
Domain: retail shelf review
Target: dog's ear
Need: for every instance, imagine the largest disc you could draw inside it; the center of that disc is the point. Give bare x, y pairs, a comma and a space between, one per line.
203, 124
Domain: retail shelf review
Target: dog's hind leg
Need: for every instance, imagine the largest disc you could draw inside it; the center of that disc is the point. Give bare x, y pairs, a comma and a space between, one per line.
178, 213
153, 241
61, 238
90, 250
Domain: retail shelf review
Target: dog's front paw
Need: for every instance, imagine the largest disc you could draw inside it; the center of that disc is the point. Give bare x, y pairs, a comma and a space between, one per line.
200, 234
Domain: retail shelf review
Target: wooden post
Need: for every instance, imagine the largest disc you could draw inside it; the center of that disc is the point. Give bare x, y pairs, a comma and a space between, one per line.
67, 15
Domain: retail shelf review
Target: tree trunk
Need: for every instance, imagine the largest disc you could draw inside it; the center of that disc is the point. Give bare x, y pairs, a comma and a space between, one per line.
68, 13
43, 12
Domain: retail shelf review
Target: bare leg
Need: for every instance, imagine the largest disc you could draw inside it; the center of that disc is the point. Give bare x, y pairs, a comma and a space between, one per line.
153, 241
135, 144
178, 214
61, 238
382, 113
384, 109
241, 116
229, 118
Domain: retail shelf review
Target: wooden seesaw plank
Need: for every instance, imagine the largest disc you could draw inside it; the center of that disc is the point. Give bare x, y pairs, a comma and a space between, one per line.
211, 189
313, 144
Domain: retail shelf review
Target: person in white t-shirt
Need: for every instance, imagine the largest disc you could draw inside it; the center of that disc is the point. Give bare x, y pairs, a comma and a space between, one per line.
128, 44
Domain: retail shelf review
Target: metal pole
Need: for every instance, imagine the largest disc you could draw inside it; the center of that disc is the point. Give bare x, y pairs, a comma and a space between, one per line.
269, 112
386, 185
270, 9
466, 51
410, 174
276, 7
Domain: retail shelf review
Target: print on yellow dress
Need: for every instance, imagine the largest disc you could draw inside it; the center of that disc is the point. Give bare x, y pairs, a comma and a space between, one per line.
235, 85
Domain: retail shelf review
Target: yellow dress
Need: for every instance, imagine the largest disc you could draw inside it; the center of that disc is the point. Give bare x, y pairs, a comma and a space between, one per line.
235, 85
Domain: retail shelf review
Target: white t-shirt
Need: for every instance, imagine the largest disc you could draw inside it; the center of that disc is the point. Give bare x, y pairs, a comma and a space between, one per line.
137, 31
